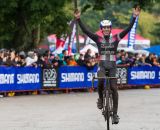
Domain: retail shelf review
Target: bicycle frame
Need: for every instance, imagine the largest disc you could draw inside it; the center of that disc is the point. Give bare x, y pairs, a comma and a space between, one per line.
107, 110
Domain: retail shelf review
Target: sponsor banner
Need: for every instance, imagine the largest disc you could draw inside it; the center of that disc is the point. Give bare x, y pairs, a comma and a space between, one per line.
49, 78
71, 40
7, 78
132, 34
121, 75
80, 77
144, 75
76, 77
28, 78
20, 78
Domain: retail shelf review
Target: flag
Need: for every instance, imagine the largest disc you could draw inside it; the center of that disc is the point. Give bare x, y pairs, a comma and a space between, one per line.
132, 34
60, 43
71, 37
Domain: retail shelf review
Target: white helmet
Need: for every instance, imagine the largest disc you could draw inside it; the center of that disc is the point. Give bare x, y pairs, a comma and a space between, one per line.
105, 23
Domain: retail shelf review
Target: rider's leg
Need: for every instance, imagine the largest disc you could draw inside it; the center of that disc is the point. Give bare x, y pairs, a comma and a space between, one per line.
113, 83
100, 93
115, 96
101, 73
100, 88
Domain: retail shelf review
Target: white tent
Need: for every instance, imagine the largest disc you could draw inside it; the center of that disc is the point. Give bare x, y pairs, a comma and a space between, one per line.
58, 50
89, 46
140, 42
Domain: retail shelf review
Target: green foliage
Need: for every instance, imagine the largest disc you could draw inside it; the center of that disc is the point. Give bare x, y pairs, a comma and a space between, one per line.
23, 23
119, 12
24, 20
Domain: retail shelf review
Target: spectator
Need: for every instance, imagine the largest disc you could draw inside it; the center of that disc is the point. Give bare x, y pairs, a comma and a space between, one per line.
155, 61
136, 61
91, 62
56, 62
65, 55
122, 61
61, 58
31, 58
80, 61
20, 59
142, 62
41, 62
149, 58
1, 57
71, 61
87, 55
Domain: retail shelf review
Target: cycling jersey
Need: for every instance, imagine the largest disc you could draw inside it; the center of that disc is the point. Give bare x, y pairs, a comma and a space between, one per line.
107, 45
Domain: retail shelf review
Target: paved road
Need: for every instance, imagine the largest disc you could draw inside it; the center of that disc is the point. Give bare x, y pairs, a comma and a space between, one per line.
139, 110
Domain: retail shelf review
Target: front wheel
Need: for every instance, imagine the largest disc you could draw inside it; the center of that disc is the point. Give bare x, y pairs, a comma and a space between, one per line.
106, 109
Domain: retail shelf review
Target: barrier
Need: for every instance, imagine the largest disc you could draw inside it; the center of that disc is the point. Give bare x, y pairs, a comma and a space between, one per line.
50, 76
76, 77
70, 77
80, 77
20, 78
144, 75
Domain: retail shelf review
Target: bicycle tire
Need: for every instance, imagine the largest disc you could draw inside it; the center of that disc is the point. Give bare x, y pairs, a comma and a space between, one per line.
107, 109
106, 112
111, 106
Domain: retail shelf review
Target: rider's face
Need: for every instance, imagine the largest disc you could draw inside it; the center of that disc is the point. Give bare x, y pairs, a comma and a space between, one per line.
106, 30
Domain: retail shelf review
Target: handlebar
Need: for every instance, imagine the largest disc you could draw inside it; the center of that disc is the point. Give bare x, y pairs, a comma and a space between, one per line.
105, 77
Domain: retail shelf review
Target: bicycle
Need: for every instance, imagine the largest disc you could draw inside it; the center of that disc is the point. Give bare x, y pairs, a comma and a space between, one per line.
107, 110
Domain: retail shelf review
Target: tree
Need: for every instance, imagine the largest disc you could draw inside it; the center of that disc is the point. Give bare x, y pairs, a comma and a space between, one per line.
100, 4
22, 21
115, 10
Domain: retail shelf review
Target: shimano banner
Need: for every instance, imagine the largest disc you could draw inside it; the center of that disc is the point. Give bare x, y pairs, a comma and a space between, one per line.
76, 77
144, 75
81, 77
20, 78
7, 78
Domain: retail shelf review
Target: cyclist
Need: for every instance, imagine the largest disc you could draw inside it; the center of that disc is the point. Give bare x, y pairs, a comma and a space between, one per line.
107, 47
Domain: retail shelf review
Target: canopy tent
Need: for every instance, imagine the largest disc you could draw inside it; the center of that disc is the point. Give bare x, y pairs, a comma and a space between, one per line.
53, 39
154, 49
89, 46
58, 50
56, 41
140, 42
63, 43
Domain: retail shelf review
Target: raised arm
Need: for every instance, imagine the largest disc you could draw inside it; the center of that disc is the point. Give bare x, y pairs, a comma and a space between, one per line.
136, 12
84, 28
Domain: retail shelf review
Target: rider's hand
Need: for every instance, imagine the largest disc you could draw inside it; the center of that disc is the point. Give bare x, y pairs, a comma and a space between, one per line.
136, 11
77, 14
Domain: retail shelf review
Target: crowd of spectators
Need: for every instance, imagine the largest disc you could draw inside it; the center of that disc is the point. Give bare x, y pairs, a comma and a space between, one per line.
137, 59
42, 58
